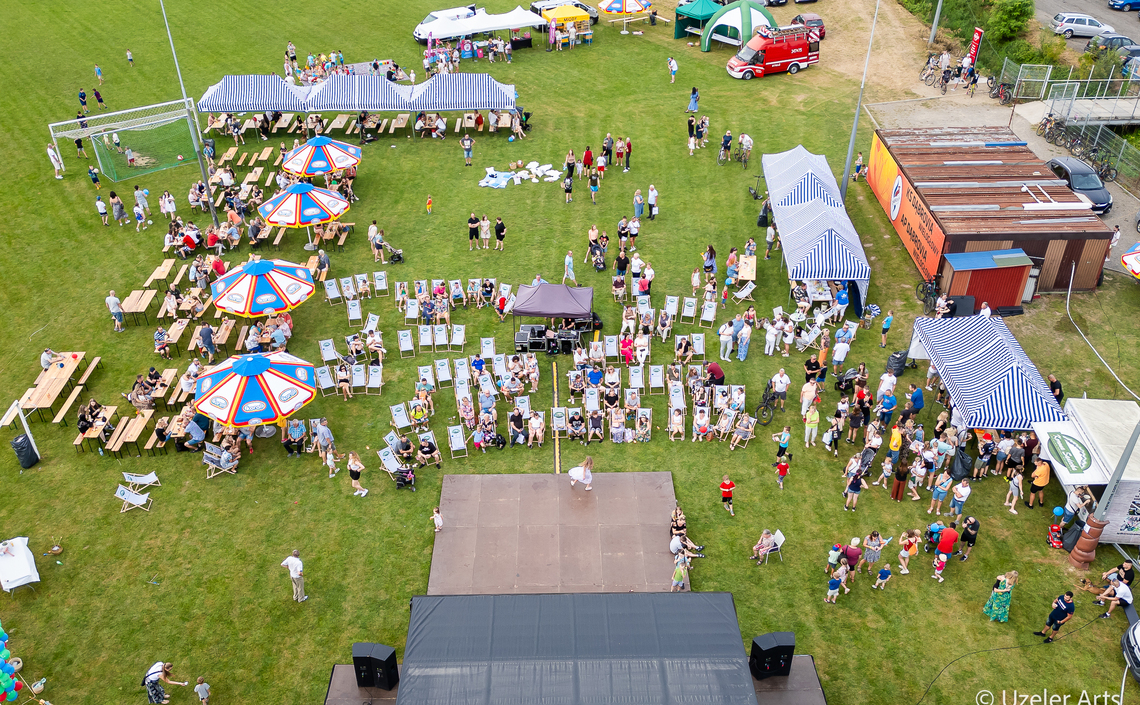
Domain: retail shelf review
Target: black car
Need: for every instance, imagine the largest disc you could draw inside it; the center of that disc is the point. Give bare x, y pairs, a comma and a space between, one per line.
1082, 179
775, 3
1107, 42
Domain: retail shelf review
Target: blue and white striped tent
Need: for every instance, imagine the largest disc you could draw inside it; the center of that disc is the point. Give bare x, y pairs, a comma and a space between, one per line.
818, 239
990, 378
356, 93
461, 91
253, 94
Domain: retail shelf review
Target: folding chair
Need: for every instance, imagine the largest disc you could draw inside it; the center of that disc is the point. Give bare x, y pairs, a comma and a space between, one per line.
426, 338
698, 346
443, 373
421, 287
523, 403
725, 424
499, 366
642, 304
629, 397
494, 288
720, 397
426, 372
455, 292
777, 313
751, 433
510, 305
558, 425
375, 379
404, 339
371, 324
708, 314
380, 283
596, 349
354, 313
487, 348
778, 539
138, 482
360, 378
332, 293
133, 500
745, 294
637, 377
456, 442
391, 438
348, 287
325, 381
676, 398
458, 338
688, 310
439, 332
412, 311
592, 400
328, 350
656, 379
390, 462
462, 369
612, 349
671, 303
808, 339
362, 279
400, 418
644, 412
462, 390
487, 385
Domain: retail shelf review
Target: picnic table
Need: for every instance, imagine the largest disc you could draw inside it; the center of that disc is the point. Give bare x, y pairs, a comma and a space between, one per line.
265, 154
218, 122
252, 177
338, 123
400, 122
135, 428
469, 119
161, 272
138, 302
230, 154
505, 120
286, 118
250, 124
163, 386
96, 430
50, 384
222, 335
174, 333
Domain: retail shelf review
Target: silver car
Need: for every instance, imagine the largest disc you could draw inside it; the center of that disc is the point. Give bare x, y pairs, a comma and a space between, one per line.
1075, 24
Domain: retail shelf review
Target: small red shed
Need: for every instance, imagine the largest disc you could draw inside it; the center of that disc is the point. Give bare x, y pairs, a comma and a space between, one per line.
998, 277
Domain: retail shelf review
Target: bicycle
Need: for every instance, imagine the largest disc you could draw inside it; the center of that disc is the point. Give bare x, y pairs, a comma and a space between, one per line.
1005, 93
973, 86
1046, 123
1107, 172
944, 80
740, 155
766, 409
927, 293
722, 156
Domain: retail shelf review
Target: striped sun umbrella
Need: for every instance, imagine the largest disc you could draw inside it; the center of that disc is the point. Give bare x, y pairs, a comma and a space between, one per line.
1131, 260
301, 205
253, 389
262, 287
624, 7
320, 155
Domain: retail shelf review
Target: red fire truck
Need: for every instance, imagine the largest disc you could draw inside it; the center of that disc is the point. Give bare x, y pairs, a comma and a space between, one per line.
773, 50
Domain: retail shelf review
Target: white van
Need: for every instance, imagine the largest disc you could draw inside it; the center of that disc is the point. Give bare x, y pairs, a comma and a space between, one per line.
539, 5
424, 28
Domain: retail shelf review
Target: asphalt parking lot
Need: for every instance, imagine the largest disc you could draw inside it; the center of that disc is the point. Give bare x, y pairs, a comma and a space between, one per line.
1125, 23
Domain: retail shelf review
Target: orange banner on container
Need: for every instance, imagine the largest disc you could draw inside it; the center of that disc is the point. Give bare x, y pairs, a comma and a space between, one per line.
912, 220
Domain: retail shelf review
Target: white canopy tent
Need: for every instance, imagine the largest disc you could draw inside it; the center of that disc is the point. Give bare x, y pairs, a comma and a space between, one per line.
483, 23
17, 564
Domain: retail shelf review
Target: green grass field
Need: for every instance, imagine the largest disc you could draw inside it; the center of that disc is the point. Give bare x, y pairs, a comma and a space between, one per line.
221, 608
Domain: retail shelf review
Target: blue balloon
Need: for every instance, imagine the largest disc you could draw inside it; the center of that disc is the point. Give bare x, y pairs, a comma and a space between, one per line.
12, 695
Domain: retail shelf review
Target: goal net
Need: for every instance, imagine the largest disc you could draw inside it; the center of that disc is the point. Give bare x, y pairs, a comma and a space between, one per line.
154, 137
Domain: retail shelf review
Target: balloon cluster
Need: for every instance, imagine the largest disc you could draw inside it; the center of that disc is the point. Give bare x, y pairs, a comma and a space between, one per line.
9, 686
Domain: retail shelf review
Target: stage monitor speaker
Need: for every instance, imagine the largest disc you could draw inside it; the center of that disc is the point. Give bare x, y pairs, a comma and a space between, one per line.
362, 664
384, 663
772, 655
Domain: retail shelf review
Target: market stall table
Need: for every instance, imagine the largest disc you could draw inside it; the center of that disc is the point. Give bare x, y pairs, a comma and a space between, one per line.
521, 43
138, 302
747, 270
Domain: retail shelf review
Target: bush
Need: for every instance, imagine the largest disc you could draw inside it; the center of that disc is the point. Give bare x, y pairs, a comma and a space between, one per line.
1022, 52
1008, 19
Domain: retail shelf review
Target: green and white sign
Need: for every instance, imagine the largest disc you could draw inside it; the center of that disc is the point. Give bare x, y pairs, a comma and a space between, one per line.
1070, 452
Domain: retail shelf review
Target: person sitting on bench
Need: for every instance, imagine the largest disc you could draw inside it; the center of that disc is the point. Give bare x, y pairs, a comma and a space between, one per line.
1117, 595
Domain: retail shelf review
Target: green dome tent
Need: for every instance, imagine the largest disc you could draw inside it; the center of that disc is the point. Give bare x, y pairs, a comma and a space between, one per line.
693, 15
736, 21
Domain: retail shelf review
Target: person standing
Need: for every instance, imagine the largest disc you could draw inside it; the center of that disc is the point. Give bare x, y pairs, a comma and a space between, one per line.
472, 232
1039, 482
694, 101
887, 327
742, 341
672, 70
628, 150
56, 162
99, 74
651, 201
811, 425
568, 268
500, 233
969, 537
355, 467
997, 607
83, 100
1056, 389
725, 333
467, 143
780, 384
130, 58
155, 676
1063, 611
726, 488
770, 240
140, 200
115, 306
583, 473
961, 494
296, 575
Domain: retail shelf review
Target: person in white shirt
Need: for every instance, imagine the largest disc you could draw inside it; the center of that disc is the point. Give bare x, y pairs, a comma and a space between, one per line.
985, 310
780, 386
1118, 594
839, 355
297, 575
887, 381
746, 145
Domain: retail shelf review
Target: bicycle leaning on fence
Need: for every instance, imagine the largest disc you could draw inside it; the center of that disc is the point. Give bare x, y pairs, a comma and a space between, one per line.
927, 293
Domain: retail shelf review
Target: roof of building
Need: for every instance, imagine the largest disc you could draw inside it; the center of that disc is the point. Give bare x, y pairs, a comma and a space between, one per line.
992, 259
985, 181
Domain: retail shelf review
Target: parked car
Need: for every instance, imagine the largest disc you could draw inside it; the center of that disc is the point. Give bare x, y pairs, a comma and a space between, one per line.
539, 5
1075, 24
1123, 5
799, 1
1130, 645
423, 29
1128, 52
1107, 42
1082, 179
811, 21
774, 50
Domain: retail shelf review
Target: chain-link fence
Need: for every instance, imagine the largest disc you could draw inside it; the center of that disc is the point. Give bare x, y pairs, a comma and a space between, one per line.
1029, 81
1106, 151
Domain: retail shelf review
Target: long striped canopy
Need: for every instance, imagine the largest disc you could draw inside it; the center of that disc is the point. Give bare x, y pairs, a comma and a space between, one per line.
263, 286
359, 92
253, 94
990, 378
461, 91
254, 389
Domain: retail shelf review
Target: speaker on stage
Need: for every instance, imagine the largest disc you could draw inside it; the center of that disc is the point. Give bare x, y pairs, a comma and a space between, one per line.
362, 664
384, 664
772, 655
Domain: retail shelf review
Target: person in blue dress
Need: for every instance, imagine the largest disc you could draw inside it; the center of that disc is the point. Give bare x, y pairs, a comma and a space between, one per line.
694, 101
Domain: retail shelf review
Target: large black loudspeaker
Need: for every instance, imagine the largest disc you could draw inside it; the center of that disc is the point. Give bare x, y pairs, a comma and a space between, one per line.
375, 666
772, 655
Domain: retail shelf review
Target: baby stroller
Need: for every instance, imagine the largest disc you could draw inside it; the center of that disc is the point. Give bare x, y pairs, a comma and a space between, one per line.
395, 256
845, 381
404, 477
599, 260
524, 118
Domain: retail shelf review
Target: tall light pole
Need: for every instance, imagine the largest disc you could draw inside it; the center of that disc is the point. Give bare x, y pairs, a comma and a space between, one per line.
934, 25
189, 118
858, 107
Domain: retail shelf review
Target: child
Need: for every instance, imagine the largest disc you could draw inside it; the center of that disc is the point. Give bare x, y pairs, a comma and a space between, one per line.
833, 559
429, 204
726, 488
139, 216
833, 584
724, 297
437, 519
601, 167
692, 144
884, 577
578, 169
888, 470
202, 690
115, 139
330, 461
781, 471
679, 570
94, 174
1015, 490
130, 156
695, 280
782, 439
101, 207
939, 566
479, 440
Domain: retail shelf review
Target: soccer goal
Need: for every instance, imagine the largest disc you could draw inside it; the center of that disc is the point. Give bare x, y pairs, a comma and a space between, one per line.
130, 143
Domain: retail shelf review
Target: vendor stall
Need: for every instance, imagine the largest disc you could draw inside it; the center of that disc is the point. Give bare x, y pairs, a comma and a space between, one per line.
735, 23
691, 18
563, 17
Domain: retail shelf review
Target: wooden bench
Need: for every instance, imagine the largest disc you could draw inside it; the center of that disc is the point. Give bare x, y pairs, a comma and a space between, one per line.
61, 417
78, 443
340, 241
479, 125
166, 248
312, 265
115, 442
383, 124
221, 197
278, 162
323, 275
181, 274
162, 311
95, 362
241, 338
269, 179
277, 240
153, 445
10, 417
180, 398
241, 160
458, 124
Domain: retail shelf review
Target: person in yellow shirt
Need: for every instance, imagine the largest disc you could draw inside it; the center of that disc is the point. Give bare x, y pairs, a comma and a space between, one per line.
1040, 480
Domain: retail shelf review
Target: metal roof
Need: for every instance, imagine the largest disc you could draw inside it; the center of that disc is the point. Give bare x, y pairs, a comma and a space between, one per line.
985, 181
992, 259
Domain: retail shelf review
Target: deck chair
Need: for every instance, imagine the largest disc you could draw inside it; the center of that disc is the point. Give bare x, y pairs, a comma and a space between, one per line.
724, 425
458, 338
328, 350
656, 379
354, 313
504, 290
628, 397
487, 385
642, 304
348, 287
435, 283
499, 366
595, 349
404, 339
510, 305
133, 500
751, 434
558, 422
617, 425
443, 373
671, 304
426, 338
400, 418
777, 539
462, 390
325, 381
688, 310
360, 279
676, 398
487, 348
494, 288
720, 397
698, 346
371, 324
138, 482
644, 412
375, 379
462, 369
411, 311
426, 372
474, 286
745, 294
439, 333
523, 403
455, 292
391, 438
332, 293
810, 339
421, 288
592, 400
390, 462
612, 350
380, 284
456, 442
708, 314
360, 378
637, 377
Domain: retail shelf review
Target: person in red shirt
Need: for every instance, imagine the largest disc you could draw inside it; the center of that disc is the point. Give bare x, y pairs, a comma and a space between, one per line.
948, 538
218, 266
782, 471
726, 488
587, 160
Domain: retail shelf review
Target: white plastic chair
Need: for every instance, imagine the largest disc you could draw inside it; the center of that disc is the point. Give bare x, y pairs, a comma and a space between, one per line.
778, 539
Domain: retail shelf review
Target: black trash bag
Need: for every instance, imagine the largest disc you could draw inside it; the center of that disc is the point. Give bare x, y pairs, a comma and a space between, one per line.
25, 453
962, 467
762, 219
896, 363
1072, 534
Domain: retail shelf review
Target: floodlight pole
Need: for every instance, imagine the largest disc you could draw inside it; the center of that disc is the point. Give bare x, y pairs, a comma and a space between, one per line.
858, 107
189, 118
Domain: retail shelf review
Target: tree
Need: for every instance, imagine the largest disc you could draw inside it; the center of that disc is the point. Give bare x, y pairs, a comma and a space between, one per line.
1008, 19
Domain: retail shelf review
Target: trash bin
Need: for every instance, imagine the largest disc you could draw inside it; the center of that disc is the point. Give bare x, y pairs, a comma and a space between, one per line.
24, 451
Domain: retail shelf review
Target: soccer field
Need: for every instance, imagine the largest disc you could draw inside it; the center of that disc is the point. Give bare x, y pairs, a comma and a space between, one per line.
196, 581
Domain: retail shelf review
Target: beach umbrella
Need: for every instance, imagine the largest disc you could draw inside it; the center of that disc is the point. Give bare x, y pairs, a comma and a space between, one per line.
254, 389
624, 7
303, 205
320, 155
262, 287
1131, 260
